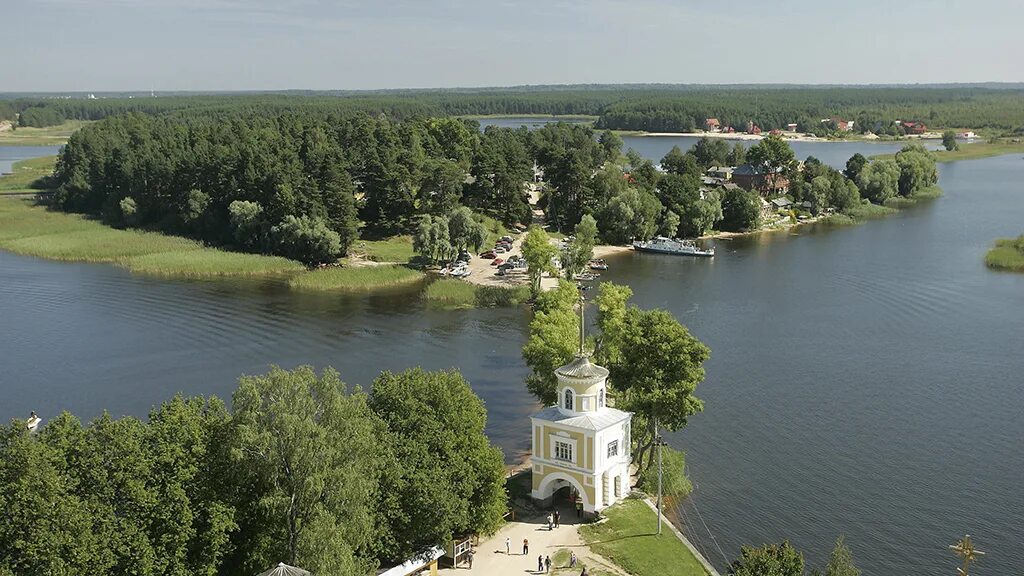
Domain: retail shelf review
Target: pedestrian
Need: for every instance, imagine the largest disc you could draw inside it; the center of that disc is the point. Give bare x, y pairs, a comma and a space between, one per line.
572, 559
540, 563
558, 516
550, 521
584, 573
469, 556
579, 509
547, 564
526, 546
508, 546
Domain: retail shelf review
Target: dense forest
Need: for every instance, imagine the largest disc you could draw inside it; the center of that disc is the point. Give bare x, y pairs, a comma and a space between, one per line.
300, 470
651, 108
295, 184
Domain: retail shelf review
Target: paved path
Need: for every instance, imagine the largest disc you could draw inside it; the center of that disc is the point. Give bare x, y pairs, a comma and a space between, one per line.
490, 557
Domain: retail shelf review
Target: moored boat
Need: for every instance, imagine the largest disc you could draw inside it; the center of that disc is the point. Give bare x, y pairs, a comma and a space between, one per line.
33, 422
663, 245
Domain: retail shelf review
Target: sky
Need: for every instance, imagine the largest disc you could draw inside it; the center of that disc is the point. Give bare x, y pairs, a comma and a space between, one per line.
121, 45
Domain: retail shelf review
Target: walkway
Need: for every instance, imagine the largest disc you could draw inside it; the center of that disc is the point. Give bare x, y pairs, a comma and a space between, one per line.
490, 557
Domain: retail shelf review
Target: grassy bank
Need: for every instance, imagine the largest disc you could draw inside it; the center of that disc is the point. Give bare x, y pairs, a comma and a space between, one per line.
929, 193
629, 540
453, 294
394, 249
26, 172
32, 230
971, 151
355, 278
1007, 254
49, 136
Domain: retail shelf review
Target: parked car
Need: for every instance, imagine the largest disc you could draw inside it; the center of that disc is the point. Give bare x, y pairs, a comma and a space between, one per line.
500, 250
497, 261
489, 255
506, 238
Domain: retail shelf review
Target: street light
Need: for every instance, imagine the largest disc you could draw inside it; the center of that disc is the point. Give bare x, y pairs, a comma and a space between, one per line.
659, 442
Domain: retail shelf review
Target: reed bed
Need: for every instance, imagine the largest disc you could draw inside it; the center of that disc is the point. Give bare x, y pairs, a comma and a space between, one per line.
359, 278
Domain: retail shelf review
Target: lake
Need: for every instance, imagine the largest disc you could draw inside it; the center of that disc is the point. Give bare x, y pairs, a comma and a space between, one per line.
863, 380
834, 154
11, 154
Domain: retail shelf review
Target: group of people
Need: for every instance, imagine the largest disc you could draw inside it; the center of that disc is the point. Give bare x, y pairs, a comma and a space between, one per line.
553, 519
543, 561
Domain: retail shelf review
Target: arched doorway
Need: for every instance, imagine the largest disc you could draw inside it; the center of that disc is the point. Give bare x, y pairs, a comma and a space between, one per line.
559, 485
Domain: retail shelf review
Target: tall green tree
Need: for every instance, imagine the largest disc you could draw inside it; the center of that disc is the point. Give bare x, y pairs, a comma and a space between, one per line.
580, 251
554, 339
840, 561
310, 458
917, 169
879, 180
741, 209
656, 386
774, 156
949, 141
538, 252
854, 165
451, 479
611, 144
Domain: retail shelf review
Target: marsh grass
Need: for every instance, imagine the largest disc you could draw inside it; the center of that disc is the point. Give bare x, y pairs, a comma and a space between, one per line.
32, 230
359, 278
454, 294
49, 136
1008, 254
209, 262
899, 202
25, 173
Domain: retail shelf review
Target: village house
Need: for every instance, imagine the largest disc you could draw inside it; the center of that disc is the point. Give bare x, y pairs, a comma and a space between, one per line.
840, 124
720, 173
753, 128
581, 445
916, 128
712, 125
791, 127
967, 135
751, 177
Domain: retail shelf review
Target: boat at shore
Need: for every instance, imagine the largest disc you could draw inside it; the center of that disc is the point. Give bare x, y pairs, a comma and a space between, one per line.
33, 422
663, 245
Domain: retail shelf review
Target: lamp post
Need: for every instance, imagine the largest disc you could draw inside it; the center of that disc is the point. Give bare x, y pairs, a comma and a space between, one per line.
659, 442
965, 550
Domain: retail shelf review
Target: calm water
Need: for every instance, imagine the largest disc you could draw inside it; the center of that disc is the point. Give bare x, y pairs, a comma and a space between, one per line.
863, 380
11, 154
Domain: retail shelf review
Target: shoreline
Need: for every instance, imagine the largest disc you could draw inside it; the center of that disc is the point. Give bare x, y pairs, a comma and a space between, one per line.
787, 136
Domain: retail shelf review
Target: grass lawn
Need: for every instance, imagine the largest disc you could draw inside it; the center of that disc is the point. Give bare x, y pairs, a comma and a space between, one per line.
454, 294
560, 565
32, 230
355, 278
1008, 254
629, 540
394, 249
49, 136
25, 172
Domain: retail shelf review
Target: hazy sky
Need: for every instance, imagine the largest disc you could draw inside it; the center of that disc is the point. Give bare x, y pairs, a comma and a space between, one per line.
97, 45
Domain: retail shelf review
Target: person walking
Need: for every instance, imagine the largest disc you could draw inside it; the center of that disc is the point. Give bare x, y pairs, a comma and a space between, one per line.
469, 557
526, 546
558, 516
508, 546
572, 559
579, 509
550, 521
547, 564
540, 563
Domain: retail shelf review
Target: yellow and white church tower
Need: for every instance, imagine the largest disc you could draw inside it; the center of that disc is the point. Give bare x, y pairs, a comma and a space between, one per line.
581, 442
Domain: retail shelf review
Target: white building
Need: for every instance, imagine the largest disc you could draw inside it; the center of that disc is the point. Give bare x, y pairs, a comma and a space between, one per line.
581, 445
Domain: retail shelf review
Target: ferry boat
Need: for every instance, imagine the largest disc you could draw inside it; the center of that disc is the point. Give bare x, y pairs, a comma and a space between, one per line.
33, 422
663, 245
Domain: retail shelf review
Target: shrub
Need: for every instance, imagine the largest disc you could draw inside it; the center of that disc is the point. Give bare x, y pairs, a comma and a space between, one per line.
306, 239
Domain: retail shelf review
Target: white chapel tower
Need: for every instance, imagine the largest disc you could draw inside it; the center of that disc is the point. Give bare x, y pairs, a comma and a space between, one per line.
580, 442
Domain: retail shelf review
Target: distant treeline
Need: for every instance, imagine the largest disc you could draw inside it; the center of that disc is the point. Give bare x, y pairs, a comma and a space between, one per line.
650, 108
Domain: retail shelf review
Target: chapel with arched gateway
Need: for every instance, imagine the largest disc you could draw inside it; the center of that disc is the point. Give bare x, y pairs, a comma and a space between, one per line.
581, 443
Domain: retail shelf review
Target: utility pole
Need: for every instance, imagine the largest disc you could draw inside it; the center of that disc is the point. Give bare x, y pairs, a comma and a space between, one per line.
659, 442
965, 549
